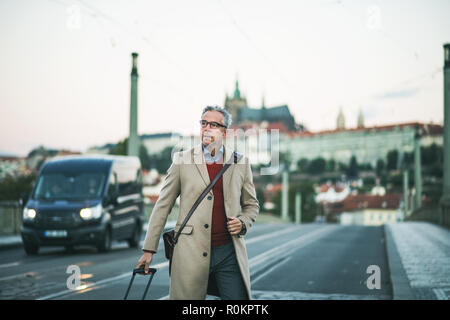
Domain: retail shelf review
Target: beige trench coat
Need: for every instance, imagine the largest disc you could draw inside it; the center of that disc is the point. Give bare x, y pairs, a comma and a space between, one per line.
187, 177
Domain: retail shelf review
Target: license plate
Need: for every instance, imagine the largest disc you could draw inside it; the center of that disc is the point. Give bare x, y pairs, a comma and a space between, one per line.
55, 233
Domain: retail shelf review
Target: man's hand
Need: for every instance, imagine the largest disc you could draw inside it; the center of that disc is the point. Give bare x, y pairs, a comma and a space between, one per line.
234, 225
145, 261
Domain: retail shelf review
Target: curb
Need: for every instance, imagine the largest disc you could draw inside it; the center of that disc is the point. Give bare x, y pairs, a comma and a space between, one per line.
401, 289
9, 242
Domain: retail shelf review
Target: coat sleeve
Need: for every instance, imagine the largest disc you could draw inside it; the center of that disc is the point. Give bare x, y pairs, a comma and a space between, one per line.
169, 193
249, 202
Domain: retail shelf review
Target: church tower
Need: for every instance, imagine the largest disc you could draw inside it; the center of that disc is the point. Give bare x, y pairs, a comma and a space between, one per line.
340, 123
360, 119
235, 103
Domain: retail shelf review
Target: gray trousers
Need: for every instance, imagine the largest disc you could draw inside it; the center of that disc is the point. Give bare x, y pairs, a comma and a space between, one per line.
224, 270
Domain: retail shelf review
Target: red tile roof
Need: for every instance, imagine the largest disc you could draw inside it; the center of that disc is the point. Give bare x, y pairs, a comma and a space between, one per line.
425, 128
326, 187
365, 201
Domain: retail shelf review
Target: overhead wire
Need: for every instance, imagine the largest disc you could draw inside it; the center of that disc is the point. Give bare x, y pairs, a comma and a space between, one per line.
288, 85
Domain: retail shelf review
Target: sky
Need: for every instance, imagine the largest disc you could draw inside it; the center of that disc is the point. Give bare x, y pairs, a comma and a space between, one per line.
65, 64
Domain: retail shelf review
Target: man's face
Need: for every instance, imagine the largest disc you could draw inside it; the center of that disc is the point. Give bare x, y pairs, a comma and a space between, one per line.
210, 136
92, 182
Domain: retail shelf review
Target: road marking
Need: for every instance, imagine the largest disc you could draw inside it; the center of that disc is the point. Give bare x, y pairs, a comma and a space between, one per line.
270, 235
22, 275
265, 273
258, 262
442, 293
7, 265
98, 283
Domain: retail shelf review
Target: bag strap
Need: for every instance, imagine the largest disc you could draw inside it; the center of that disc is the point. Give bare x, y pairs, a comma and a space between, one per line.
237, 157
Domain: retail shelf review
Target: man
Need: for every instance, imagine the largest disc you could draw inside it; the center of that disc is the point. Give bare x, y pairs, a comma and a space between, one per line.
210, 256
92, 187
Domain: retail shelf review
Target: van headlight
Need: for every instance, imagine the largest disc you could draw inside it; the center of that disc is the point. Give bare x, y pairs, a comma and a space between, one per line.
29, 214
91, 213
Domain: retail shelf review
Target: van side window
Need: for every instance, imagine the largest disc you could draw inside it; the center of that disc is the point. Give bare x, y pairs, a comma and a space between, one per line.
112, 187
127, 181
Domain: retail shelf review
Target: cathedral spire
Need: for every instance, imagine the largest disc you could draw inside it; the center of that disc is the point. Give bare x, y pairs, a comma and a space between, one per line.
340, 120
360, 119
237, 93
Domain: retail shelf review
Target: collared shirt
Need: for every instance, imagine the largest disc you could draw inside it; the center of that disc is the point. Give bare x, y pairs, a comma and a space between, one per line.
209, 158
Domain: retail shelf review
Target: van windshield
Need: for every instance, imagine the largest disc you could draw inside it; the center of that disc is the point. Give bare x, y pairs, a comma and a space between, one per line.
60, 186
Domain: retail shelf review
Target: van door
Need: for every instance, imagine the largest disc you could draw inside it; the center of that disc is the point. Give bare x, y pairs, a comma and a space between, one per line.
128, 203
112, 205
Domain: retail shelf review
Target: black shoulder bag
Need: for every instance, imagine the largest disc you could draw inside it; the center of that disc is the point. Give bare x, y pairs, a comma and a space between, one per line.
170, 237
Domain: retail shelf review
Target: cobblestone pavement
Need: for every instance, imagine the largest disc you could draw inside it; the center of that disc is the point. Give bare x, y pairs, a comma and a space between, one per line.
424, 249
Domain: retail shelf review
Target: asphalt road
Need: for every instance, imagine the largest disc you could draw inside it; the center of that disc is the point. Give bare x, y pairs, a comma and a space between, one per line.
311, 261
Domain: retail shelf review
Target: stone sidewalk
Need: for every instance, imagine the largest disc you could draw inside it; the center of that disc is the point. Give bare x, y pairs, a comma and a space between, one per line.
422, 268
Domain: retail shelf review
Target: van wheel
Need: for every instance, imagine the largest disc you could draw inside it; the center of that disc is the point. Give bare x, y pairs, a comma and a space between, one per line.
31, 249
105, 242
133, 242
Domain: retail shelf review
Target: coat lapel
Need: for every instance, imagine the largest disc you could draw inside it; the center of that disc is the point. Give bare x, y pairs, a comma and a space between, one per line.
227, 174
200, 163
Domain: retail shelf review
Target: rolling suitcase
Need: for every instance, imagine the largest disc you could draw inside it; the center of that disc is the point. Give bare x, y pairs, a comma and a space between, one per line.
151, 273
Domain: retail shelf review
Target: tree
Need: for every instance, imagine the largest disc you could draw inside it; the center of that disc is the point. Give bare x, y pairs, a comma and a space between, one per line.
12, 188
161, 161
144, 157
380, 167
303, 164
352, 171
121, 148
392, 159
317, 166
330, 165
260, 197
432, 155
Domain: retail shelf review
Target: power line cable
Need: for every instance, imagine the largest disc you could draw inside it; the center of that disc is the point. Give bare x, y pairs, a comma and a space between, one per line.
252, 43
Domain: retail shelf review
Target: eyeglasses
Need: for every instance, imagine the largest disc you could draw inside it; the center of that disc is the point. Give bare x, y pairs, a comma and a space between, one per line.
212, 124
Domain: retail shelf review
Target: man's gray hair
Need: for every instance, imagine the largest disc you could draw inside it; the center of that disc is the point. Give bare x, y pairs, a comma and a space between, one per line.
227, 119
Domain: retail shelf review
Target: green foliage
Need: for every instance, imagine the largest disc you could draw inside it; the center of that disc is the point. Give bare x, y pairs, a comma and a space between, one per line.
162, 161
302, 165
260, 197
317, 166
392, 159
380, 167
12, 188
121, 149
330, 165
144, 157
352, 171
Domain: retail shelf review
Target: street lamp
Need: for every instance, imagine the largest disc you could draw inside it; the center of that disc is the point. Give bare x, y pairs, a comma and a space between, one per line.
445, 200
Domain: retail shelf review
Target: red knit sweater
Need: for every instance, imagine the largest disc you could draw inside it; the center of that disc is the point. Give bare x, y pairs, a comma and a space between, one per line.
219, 231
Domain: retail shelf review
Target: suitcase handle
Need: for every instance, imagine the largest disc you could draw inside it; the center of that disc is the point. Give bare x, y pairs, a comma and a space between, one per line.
141, 271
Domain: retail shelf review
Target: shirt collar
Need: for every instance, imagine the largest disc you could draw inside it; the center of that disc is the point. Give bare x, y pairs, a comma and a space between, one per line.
209, 157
